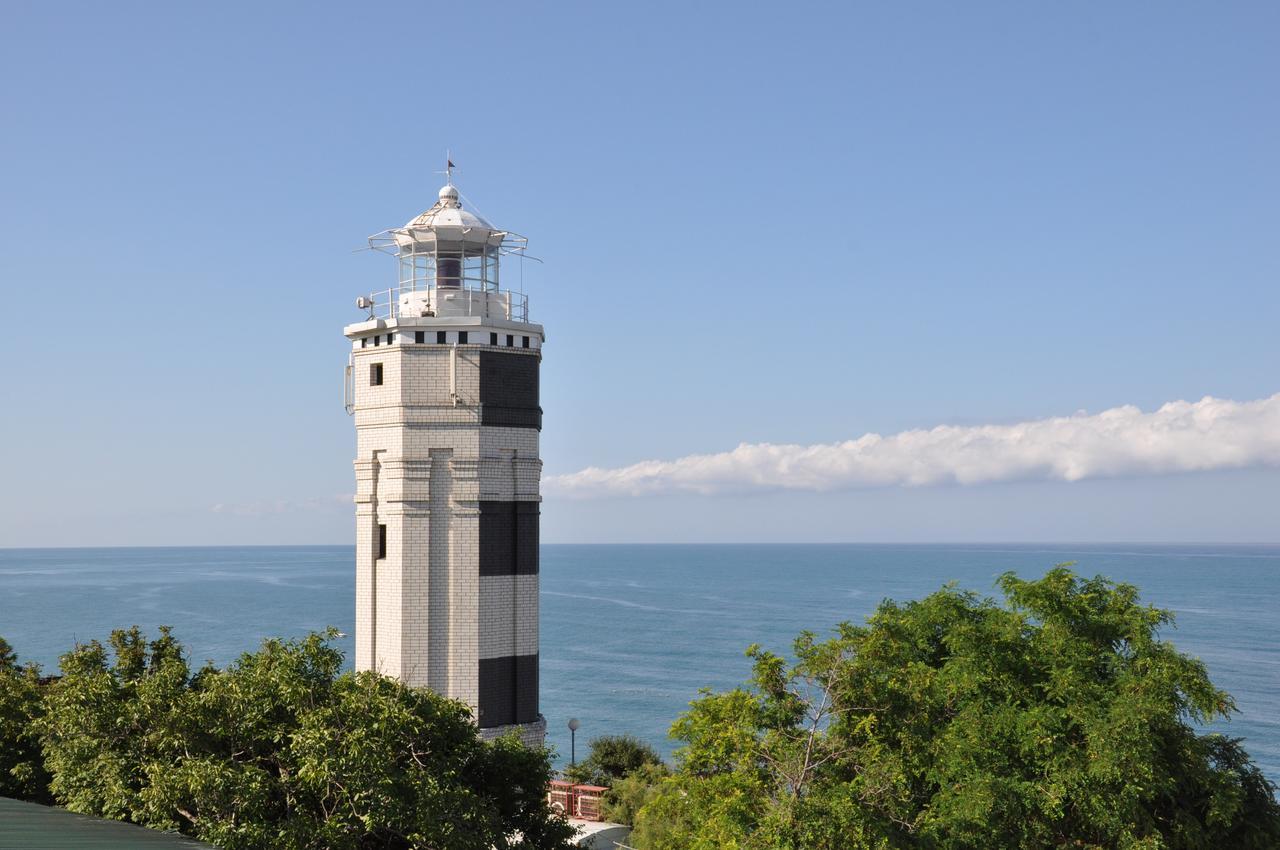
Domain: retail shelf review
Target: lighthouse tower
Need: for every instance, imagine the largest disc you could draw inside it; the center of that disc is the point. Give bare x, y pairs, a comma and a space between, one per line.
443, 384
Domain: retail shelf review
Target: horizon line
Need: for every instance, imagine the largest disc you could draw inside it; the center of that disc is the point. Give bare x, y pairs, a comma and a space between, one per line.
1114, 542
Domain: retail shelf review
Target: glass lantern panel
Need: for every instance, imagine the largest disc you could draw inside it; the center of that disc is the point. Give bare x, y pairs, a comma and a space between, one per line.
473, 270
491, 268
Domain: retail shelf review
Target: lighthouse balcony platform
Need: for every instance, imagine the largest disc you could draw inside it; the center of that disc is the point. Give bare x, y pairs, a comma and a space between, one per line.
447, 301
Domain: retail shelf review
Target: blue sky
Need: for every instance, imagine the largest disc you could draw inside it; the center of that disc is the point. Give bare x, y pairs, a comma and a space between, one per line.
759, 224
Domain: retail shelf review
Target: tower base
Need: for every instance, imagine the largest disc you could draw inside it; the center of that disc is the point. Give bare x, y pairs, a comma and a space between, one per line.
530, 734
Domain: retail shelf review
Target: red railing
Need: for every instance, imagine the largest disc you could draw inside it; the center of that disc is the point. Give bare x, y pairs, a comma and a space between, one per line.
585, 802
560, 797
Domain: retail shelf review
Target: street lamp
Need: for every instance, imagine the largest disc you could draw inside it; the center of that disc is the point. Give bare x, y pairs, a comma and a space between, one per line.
573, 728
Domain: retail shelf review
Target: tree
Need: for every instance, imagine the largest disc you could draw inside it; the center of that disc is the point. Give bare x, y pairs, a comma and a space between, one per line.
105, 724
22, 773
280, 750
612, 757
628, 795
629, 767
1059, 719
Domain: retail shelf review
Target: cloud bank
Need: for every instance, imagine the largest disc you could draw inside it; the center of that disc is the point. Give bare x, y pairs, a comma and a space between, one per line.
1181, 436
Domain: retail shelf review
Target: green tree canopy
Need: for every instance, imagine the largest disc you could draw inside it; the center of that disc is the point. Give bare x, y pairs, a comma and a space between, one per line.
280, 750
612, 757
1058, 719
630, 768
628, 795
22, 773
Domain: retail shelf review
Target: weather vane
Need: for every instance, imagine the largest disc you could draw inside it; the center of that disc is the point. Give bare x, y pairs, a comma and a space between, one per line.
448, 168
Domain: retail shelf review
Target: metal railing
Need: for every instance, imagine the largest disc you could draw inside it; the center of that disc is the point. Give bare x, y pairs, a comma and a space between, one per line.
402, 303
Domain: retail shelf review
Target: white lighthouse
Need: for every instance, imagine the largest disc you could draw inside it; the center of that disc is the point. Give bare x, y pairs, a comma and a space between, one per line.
443, 384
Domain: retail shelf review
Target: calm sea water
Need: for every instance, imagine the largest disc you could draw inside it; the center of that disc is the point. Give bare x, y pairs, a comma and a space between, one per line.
629, 633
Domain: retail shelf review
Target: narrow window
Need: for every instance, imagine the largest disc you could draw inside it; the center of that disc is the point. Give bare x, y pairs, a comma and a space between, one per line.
375, 374
493, 339
364, 341
382, 542
390, 337
511, 340
419, 336
462, 337
524, 342
377, 340
440, 337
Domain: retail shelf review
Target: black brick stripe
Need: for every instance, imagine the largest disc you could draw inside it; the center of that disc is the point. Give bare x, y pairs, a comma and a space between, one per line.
508, 690
509, 538
509, 390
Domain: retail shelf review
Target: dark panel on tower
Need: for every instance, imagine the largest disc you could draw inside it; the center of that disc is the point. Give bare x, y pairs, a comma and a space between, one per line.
526, 688
497, 538
509, 390
527, 538
508, 690
508, 538
497, 691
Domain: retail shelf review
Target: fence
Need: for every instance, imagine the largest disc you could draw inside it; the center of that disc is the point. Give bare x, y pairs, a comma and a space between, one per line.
585, 802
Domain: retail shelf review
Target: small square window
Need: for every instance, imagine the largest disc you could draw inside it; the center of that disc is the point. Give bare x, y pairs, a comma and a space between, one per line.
440, 337
382, 542
493, 339
511, 340
375, 374
524, 342
419, 336
462, 337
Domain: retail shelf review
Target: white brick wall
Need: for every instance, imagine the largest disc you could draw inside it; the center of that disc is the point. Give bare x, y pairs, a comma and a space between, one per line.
423, 613
532, 734
508, 616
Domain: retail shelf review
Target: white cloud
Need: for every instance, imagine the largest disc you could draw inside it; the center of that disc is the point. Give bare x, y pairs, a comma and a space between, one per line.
1179, 437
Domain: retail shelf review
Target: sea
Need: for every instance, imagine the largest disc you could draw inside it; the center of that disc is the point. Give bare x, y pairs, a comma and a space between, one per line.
630, 633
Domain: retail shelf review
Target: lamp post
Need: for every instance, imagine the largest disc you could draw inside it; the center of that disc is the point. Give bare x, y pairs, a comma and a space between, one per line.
573, 728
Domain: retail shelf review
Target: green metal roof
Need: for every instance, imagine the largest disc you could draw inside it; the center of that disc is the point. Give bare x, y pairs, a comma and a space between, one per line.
30, 826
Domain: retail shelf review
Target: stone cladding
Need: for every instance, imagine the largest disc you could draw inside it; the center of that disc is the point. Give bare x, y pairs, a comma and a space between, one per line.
447, 501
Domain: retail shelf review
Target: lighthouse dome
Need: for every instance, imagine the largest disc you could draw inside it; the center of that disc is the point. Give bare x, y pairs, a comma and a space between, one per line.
447, 223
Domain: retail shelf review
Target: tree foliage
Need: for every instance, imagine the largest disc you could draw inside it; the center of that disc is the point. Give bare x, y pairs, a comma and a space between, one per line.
280, 750
612, 757
1058, 719
628, 795
22, 772
630, 768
